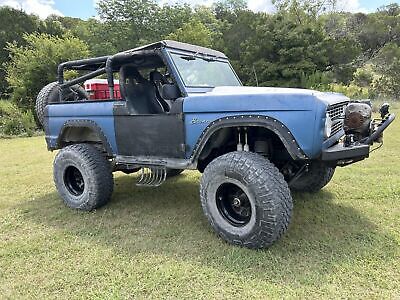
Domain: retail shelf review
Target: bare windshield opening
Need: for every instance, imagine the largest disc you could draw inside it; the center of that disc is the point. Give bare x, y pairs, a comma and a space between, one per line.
204, 72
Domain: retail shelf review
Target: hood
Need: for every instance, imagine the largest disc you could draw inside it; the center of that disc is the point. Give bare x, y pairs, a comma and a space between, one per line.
253, 99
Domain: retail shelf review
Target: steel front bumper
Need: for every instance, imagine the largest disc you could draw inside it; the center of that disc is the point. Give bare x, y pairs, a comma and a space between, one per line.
345, 155
342, 155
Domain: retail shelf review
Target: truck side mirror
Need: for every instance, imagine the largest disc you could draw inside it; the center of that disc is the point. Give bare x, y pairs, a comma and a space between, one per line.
170, 92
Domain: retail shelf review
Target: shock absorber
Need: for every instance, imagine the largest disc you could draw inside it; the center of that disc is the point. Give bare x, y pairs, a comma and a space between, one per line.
239, 145
246, 144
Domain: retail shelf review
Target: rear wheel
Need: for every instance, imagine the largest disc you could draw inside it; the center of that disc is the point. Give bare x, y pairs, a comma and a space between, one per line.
246, 199
317, 176
83, 177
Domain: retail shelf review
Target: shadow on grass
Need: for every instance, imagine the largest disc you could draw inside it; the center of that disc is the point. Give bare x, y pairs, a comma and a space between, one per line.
168, 222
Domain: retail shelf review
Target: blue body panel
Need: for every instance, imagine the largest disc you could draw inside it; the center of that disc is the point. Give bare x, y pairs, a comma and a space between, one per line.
100, 112
301, 111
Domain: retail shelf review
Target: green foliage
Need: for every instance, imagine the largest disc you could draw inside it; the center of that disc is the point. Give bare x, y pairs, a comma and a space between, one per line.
13, 25
92, 31
352, 91
193, 32
284, 46
387, 65
364, 76
14, 121
317, 81
139, 22
131, 23
33, 66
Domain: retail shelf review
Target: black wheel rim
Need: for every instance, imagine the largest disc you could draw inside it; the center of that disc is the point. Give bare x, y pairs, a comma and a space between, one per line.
73, 180
233, 204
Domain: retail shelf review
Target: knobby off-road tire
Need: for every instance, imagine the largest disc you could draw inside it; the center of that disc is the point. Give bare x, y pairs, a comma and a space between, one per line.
318, 176
246, 199
51, 94
83, 177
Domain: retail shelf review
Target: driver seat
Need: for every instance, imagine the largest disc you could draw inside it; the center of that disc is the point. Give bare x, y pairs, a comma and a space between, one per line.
139, 93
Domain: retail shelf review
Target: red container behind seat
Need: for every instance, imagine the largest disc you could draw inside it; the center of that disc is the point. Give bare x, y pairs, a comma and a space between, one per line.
98, 89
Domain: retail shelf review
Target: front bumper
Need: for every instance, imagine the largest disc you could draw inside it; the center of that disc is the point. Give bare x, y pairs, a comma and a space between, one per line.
341, 155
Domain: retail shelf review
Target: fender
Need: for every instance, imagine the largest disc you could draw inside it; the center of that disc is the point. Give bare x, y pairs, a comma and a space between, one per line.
272, 124
84, 124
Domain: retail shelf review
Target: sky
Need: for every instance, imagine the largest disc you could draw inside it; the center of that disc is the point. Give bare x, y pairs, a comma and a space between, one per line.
86, 8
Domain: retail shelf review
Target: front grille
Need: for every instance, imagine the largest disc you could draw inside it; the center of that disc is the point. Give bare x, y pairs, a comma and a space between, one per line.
336, 113
336, 127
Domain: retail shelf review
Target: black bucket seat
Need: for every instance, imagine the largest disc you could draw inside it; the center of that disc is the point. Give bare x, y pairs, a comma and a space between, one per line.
139, 93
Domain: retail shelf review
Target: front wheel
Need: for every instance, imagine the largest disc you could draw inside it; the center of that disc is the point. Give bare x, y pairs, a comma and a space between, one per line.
246, 199
83, 177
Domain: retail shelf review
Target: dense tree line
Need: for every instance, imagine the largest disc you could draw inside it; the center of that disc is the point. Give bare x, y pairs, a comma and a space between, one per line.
305, 43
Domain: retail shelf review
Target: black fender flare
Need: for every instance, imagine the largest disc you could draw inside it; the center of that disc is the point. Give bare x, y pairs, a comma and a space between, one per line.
269, 123
84, 124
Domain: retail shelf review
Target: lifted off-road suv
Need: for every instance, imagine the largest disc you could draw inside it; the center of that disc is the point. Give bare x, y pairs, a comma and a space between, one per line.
183, 107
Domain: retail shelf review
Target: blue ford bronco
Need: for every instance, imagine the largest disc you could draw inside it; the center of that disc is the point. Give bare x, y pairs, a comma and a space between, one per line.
184, 107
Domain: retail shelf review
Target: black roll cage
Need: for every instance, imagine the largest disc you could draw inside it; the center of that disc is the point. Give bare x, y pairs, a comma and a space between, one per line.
110, 64
98, 66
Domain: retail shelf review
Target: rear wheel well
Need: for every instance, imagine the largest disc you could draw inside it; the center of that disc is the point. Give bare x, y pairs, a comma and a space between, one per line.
78, 134
261, 140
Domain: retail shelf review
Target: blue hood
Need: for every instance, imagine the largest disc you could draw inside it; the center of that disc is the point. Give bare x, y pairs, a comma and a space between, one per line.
253, 99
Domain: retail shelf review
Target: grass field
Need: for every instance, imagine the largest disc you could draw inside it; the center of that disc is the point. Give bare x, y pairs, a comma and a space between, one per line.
155, 243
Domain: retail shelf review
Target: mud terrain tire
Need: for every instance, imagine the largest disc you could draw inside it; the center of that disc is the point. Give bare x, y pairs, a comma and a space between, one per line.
318, 176
83, 177
246, 199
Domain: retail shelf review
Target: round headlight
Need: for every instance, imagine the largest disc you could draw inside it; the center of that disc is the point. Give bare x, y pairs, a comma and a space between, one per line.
328, 126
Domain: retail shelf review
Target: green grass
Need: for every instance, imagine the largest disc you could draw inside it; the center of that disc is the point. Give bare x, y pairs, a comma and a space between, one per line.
155, 243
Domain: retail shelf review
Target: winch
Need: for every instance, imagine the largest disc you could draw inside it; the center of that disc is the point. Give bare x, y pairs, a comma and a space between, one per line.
357, 119
359, 126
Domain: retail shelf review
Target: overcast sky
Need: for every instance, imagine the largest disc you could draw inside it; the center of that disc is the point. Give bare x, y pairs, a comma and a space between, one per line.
86, 8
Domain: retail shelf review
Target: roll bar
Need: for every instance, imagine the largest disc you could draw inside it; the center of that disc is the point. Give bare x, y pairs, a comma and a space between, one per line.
98, 66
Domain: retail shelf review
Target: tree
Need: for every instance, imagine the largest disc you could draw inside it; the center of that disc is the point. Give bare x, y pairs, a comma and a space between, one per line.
92, 31
130, 23
193, 32
285, 46
33, 66
172, 17
387, 64
13, 25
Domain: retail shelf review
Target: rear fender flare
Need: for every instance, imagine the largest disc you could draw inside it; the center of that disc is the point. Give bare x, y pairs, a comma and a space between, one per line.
84, 124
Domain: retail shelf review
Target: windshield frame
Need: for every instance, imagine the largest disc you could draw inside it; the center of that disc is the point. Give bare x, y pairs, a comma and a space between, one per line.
170, 52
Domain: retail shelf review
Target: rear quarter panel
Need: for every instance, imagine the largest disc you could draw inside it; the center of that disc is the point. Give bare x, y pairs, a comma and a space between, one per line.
99, 112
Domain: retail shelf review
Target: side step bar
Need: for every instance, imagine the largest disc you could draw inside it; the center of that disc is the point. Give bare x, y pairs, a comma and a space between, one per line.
148, 161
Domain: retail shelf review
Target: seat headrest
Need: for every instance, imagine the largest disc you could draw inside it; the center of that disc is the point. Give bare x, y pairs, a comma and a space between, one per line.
156, 76
129, 71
